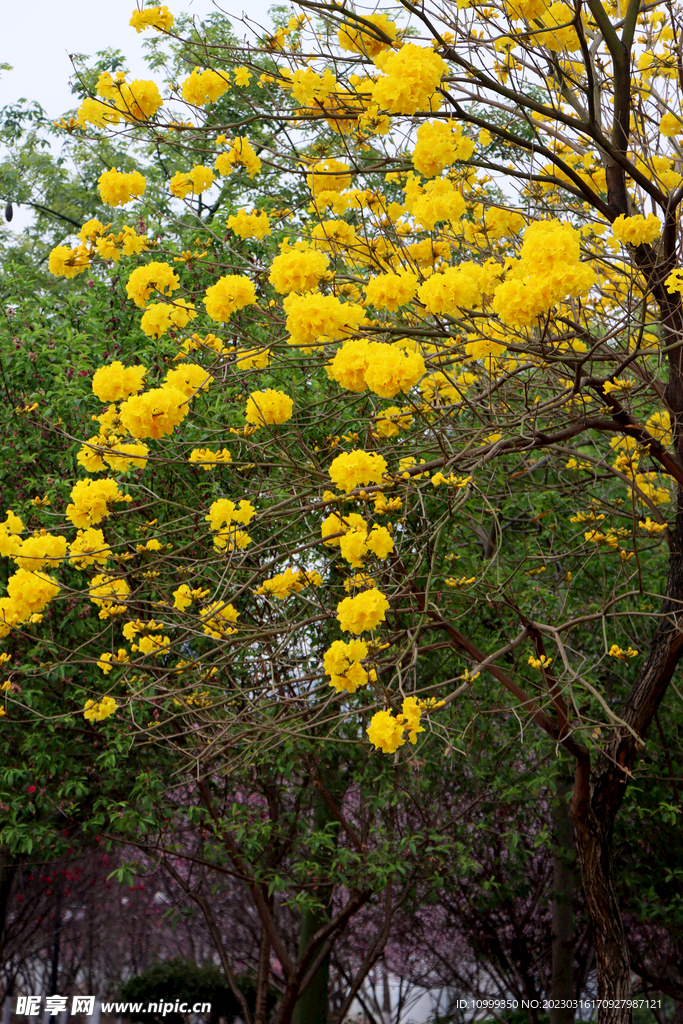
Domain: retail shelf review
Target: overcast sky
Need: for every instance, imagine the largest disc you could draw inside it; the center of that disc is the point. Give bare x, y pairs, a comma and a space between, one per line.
37, 38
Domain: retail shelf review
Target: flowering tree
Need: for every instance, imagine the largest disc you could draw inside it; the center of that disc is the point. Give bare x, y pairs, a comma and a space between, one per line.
457, 341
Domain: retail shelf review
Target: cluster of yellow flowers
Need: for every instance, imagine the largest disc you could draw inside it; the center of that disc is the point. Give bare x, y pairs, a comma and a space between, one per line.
637, 229
108, 660
240, 154
314, 320
410, 80
97, 711
389, 291
222, 514
549, 269
185, 595
363, 611
342, 662
132, 102
249, 225
297, 271
357, 468
291, 581
90, 501
218, 620
227, 295
357, 541
387, 733
208, 459
159, 18
118, 188
268, 407
205, 86
65, 261
196, 181
376, 32
385, 369
438, 145
28, 593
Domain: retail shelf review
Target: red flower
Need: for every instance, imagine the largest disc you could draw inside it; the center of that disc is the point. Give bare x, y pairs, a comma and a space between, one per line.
31, 789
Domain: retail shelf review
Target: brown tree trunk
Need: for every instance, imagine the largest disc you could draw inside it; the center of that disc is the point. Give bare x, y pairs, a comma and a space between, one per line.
594, 844
599, 795
263, 973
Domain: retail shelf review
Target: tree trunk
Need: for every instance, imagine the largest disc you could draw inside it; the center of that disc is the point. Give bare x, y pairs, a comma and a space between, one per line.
594, 842
564, 888
311, 1007
312, 1004
8, 870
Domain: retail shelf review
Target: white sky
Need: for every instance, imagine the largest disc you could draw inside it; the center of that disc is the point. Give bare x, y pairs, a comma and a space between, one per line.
38, 36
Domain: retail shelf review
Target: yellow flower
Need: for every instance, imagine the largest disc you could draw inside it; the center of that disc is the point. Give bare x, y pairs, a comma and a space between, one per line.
352, 469
385, 732
152, 277
66, 262
108, 660
227, 295
155, 413
117, 189
651, 527
358, 37
291, 581
116, 381
204, 87
40, 550
411, 78
249, 225
439, 144
389, 291
159, 18
90, 501
222, 516
28, 593
108, 592
314, 319
218, 619
637, 230
196, 181
240, 154
329, 176
296, 271
364, 611
242, 76
89, 548
189, 378
97, 712
342, 662
616, 652
670, 126
391, 420
253, 359
268, 407
208, 458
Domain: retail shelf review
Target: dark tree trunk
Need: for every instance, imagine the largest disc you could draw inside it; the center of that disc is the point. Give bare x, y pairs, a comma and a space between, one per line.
594, 843
564, 889
311, 1007
8, 869
599, 795
312, 1004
